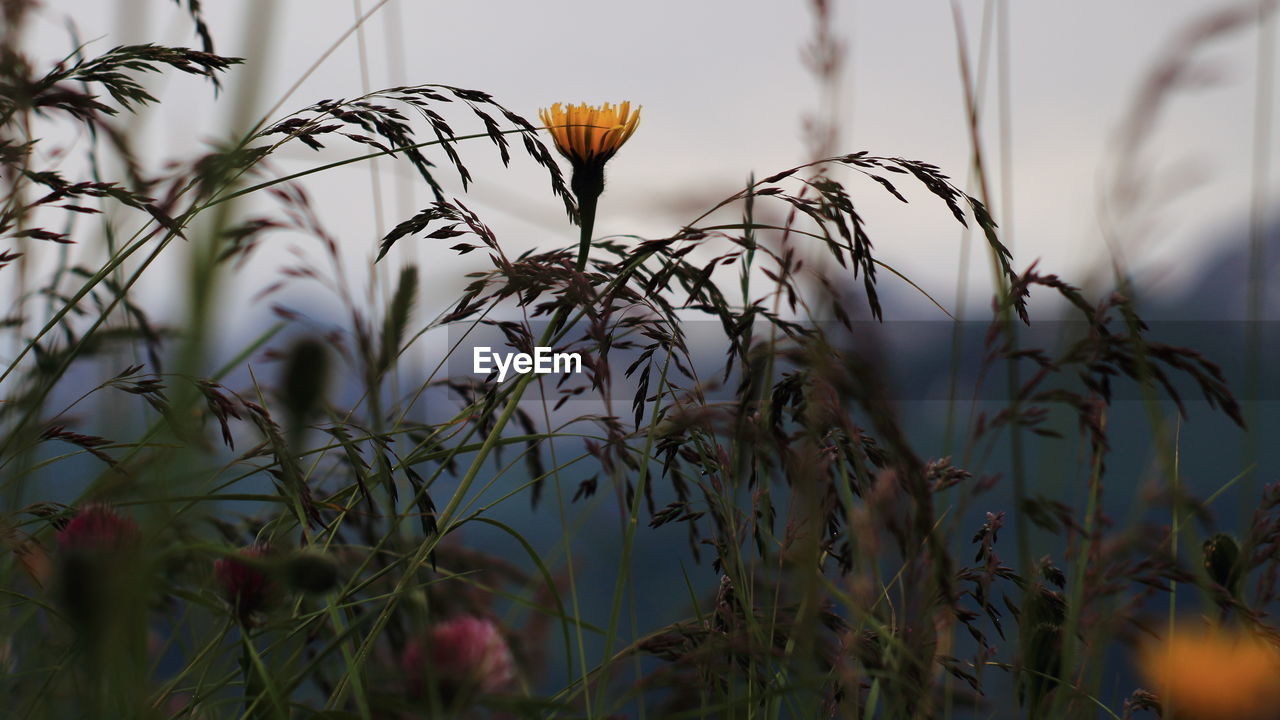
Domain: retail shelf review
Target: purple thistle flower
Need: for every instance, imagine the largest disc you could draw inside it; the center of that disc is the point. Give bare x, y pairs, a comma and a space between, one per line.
244, 585
98, 568
98, 529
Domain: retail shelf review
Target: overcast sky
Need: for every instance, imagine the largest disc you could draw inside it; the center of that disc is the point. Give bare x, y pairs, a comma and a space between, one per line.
724, 90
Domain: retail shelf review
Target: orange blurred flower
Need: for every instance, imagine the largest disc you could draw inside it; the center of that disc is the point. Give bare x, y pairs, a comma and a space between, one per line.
1215, 674
586, 134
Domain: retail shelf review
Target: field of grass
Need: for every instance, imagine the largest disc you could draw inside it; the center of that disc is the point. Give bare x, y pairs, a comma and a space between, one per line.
749, 503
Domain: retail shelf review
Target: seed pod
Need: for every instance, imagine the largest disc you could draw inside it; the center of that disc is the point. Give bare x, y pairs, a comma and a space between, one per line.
310, 572
304, 379
1222, 562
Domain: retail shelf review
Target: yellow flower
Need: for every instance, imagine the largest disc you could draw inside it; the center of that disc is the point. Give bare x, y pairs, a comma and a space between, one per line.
1215, 675
589, 135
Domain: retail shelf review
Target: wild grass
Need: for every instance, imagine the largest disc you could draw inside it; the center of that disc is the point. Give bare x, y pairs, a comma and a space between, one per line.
303, 531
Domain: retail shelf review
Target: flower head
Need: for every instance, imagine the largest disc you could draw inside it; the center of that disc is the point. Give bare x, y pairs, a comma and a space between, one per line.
98, 569
466, 653
1215, 675
589, 135
98, 529
244, 585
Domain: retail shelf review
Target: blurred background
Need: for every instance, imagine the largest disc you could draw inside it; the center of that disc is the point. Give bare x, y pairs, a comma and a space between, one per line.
729, 89
1129, 141
1120, 140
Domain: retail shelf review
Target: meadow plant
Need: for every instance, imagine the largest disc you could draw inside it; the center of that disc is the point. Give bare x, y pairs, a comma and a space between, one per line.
466, 654
248, 589
836, 564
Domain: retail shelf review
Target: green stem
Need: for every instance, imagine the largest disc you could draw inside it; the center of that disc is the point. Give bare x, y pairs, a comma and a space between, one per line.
587, 215
588, 192
262, 698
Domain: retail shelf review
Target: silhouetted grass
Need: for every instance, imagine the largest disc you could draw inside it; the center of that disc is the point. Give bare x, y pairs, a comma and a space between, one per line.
308, 531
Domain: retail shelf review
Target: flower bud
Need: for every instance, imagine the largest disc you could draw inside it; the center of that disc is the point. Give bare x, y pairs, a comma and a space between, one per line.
310, 572
1222, 561
304, 379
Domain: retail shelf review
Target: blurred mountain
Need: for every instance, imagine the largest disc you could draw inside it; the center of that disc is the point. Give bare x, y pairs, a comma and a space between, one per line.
1220, 290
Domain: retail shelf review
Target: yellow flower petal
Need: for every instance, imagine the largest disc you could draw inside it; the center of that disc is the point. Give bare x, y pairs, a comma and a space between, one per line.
589, 134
